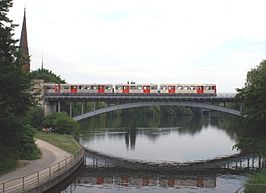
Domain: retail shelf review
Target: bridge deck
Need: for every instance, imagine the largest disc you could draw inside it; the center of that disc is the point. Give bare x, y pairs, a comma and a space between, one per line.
138, 97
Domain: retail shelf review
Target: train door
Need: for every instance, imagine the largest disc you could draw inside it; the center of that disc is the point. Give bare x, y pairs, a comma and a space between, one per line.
171, 89
57, 88
125, 89
100, 89
73, 88
200, 90
146, 89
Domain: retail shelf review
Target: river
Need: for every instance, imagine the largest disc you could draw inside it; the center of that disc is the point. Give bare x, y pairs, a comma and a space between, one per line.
159, 140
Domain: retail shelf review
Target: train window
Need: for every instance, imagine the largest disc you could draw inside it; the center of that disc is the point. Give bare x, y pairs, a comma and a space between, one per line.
186, 88
139, 87
153, 87
108, 87
207, 88
192, 88
80, 87
118, 87
66, 87
133, 87
164, 88
179, 88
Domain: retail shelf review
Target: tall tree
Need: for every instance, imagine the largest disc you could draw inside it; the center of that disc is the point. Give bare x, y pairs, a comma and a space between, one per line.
46, 75
253, 97
15, 90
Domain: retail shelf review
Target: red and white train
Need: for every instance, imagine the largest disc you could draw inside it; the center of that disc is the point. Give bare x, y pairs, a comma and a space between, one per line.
171, 89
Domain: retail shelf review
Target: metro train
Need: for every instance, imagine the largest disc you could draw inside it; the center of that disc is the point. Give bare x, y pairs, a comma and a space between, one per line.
127, 89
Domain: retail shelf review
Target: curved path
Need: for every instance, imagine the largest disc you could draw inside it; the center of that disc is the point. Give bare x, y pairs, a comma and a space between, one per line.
50, 155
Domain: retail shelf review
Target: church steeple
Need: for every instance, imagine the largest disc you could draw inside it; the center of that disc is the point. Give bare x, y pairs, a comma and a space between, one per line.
24, 45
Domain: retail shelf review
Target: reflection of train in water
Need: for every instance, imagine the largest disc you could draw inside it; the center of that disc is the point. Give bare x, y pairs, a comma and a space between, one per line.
164, 89
138, 178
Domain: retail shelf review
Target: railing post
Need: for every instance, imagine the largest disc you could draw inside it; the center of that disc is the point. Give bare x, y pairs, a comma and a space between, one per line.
66, 163
38, 177
3, 187
70, 109
23, 185
49, 172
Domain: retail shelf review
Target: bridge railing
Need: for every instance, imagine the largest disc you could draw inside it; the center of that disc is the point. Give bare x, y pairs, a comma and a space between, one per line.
226, 95
26, 183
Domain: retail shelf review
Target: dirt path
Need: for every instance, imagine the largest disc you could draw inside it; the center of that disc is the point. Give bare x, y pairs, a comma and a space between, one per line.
50, 156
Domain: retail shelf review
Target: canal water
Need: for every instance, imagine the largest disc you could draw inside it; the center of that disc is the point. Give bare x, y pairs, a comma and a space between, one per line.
159, 140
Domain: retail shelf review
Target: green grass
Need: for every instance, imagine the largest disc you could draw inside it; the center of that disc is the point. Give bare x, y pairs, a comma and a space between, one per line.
65, 142
256, 183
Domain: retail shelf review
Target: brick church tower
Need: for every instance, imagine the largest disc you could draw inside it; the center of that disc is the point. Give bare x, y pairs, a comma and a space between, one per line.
24, 46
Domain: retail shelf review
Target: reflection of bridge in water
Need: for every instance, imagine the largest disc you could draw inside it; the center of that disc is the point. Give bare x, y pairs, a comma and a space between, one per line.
234, 163
138, 178
104, 171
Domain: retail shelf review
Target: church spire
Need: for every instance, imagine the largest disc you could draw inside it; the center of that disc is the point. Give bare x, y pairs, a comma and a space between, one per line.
24, 45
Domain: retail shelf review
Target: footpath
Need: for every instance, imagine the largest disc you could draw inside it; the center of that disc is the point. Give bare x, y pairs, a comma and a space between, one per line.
50, 155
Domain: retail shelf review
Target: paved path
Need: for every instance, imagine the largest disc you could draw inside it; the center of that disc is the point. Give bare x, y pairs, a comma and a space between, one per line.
50, 155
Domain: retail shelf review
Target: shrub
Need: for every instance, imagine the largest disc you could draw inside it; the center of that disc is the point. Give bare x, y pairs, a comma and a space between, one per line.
62, 123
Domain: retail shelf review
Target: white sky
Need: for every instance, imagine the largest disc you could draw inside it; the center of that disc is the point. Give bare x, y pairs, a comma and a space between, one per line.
146, 41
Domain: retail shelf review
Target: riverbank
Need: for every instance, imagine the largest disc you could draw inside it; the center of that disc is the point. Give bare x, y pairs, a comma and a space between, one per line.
53, 147
62, 141
50, 155
257, 182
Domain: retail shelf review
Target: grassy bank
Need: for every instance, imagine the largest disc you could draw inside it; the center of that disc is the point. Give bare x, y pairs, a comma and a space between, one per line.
256, 183
65, 142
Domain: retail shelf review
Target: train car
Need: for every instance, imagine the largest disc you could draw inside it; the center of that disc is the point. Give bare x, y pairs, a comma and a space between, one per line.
167, 89
188, 89
52, 88
210, 89
182, 89
121, 88
105, 88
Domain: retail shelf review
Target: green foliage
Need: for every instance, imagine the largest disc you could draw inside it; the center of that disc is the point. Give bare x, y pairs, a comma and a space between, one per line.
47, 76
256, 183
175, 110
8, 159
35, 117
62, 123
253, 97
15, 91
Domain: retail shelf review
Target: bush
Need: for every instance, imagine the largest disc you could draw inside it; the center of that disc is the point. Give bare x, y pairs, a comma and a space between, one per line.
35, 117
62, 123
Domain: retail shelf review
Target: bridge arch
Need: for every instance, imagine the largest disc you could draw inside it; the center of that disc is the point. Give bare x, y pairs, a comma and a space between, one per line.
156, 103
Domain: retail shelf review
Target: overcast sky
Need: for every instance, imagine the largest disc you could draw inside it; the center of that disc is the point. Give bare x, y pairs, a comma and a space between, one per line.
146, 41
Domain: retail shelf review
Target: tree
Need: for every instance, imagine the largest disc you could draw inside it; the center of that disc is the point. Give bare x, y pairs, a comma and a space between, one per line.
15, 90
46, 75
253, 97
62, 123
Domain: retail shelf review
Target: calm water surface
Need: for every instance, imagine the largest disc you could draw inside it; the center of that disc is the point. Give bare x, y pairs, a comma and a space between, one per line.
157, 139
161, 139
